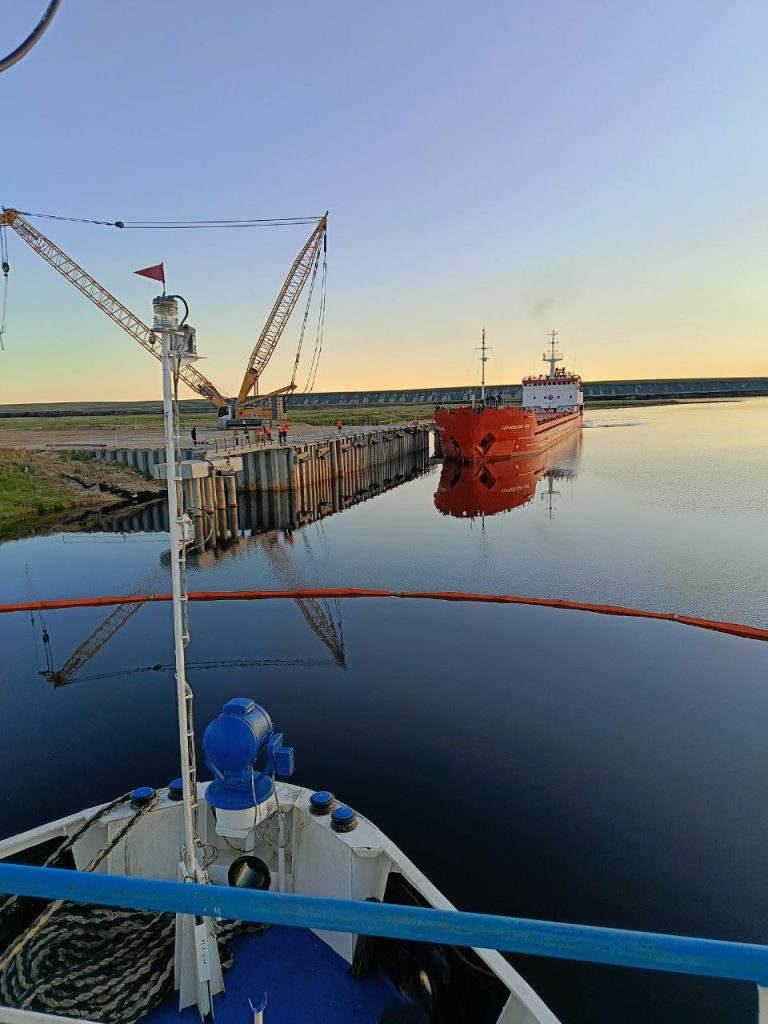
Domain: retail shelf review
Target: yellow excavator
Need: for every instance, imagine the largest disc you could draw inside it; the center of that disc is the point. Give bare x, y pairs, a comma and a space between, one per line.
246, 408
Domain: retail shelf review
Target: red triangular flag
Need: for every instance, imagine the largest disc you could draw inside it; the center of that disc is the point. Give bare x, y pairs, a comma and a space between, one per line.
156, 273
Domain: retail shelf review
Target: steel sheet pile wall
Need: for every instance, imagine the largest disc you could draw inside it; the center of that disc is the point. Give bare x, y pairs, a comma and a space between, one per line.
345, 471
275, 469
282, 488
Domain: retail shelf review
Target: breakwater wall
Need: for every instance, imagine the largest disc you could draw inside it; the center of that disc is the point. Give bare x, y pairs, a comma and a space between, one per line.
605, 390
617, 390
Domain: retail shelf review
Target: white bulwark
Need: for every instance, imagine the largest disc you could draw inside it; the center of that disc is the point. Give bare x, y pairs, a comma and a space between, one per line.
560, 392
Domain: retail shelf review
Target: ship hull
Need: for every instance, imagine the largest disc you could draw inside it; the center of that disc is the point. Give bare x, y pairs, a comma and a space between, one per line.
485, 435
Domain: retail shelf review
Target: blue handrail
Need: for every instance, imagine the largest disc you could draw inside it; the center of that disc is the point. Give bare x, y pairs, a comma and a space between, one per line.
710, 957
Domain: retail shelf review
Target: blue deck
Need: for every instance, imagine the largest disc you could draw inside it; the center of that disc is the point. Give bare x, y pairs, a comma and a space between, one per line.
305, 980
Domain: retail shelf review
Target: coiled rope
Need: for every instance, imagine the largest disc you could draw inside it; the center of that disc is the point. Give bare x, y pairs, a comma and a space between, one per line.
97, 963
100, 963
51, 909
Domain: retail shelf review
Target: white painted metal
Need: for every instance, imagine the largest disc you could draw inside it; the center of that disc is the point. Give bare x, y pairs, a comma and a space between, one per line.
281, 851
552, 393
177, 554
316, 861
198, 973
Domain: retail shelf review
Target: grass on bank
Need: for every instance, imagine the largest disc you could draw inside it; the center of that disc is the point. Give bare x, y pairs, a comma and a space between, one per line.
27, 487
43, 483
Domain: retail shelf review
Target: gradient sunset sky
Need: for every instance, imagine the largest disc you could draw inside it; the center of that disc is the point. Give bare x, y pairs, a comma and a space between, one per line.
596, 166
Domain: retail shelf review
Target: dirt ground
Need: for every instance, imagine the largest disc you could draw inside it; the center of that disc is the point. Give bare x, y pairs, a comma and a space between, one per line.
92, 482
146, 436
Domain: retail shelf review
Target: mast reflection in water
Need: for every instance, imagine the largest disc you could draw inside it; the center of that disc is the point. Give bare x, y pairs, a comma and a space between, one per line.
489, 488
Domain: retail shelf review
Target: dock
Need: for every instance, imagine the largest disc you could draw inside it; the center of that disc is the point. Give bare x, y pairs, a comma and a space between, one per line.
238, 486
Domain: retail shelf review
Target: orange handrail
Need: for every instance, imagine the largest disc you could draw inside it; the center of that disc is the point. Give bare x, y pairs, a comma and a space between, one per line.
732, 628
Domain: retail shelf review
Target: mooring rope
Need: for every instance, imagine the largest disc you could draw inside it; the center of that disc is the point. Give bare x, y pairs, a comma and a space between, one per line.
51, 909
100, 963
96, 963
66, 845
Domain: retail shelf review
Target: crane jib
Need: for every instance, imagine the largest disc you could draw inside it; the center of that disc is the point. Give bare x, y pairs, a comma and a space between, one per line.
131, 324
280, 314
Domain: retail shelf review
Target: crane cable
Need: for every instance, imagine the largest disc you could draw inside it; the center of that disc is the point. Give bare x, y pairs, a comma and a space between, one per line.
34, 37
306, 318
175, 225
320, 328
32, 591
6, 267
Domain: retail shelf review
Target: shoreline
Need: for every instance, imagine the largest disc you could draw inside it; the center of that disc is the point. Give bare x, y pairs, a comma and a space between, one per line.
41, 487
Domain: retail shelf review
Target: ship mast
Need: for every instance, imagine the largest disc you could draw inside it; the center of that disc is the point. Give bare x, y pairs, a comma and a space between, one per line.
483, 360
553, 356
197, 968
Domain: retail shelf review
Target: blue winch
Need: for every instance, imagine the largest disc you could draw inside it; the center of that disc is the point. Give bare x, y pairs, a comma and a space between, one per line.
232, 744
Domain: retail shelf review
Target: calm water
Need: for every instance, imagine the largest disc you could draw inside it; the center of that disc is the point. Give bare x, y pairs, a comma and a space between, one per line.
534, 762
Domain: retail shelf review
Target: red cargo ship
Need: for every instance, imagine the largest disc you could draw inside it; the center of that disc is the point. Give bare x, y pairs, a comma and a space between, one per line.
552, 408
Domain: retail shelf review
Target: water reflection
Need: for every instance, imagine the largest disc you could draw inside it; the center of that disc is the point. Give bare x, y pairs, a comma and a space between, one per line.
269, 518
264, 511
600, 780
489, 488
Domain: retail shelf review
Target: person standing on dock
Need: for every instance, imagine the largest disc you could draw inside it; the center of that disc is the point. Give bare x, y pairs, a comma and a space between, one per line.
338, 424
194, 435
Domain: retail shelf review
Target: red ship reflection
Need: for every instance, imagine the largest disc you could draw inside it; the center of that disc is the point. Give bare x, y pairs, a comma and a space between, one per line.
489, 488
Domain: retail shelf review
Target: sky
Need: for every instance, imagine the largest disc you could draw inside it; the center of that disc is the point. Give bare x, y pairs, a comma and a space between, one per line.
597, 167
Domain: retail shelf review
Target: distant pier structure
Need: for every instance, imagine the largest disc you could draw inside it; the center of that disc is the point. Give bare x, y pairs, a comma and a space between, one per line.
604, 391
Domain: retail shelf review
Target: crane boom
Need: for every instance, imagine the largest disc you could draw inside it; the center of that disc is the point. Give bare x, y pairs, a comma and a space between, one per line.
114, 309
281, 311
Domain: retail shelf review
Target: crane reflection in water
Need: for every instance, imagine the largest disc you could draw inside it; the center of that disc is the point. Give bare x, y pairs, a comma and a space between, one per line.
269, 519
490, 488
322, 617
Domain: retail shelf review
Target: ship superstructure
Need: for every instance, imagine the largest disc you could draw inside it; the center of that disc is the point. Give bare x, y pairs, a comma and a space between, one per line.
556, 391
